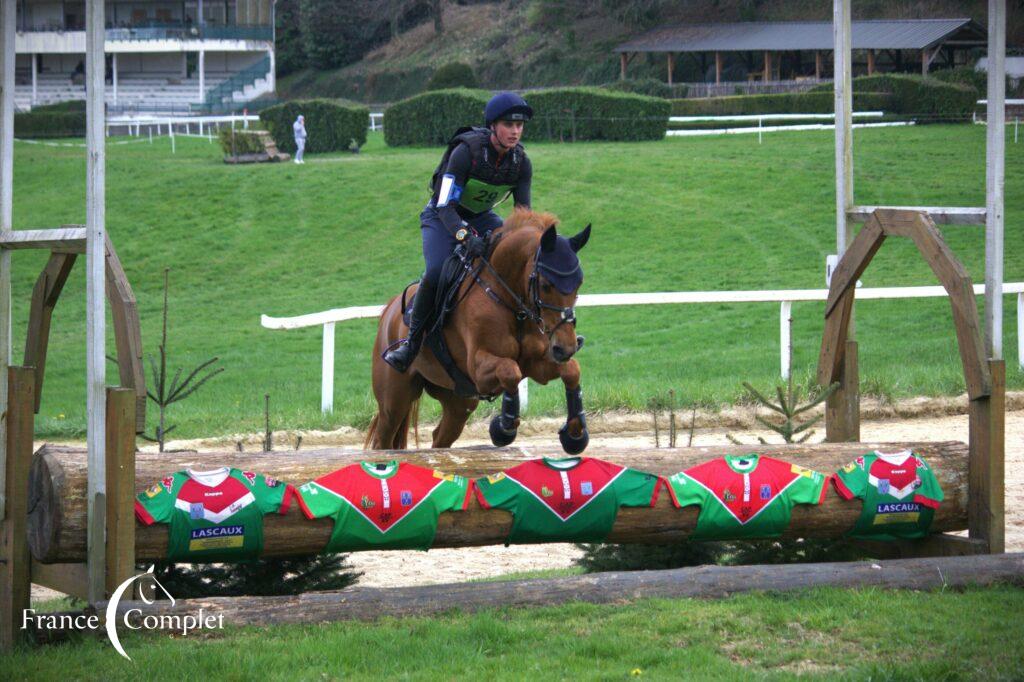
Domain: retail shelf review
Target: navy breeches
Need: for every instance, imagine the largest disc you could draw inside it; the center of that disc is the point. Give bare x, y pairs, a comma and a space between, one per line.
439, 243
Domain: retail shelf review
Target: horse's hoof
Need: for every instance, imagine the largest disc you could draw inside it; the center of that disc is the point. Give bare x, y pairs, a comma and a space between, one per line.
573, 445
499, 436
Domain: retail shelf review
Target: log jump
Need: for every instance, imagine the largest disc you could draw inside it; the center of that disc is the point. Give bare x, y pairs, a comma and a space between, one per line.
57, 500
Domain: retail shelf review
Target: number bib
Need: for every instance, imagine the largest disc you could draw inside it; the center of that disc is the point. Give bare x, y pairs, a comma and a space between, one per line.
478, 196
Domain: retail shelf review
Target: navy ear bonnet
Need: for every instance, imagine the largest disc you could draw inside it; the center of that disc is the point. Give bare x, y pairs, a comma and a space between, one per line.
561, 266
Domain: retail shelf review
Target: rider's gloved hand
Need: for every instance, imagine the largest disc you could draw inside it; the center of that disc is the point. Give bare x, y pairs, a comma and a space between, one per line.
476, 246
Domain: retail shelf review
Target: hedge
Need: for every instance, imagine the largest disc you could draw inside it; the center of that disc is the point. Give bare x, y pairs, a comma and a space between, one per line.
652, 87
589, 113
453, 75
236, 142
926, 99
787, 103
44, 123
431, 117
330, 127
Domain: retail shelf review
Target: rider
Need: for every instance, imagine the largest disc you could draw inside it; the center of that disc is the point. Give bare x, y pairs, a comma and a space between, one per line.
479, 169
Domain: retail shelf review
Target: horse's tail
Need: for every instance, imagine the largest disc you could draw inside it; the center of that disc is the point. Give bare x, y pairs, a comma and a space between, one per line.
371, 431
401, 439
414, 416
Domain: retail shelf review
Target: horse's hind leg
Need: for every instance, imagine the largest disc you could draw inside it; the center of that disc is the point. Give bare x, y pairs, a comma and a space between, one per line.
393, 406
455, 412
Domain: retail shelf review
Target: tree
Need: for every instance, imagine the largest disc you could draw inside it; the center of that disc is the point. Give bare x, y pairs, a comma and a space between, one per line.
435, 9
291, 53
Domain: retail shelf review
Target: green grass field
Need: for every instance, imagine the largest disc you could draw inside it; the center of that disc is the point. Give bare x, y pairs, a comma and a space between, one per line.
821, 634
693, 214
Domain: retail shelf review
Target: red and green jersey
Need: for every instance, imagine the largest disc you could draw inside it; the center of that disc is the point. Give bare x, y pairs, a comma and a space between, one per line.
383, 505
900, 494
745, 496
573, 499
214, 515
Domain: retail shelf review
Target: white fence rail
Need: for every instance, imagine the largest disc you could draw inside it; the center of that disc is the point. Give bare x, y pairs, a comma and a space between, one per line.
784, 297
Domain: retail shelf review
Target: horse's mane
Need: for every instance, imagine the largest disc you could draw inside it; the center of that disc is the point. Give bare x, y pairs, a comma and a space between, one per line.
522, 218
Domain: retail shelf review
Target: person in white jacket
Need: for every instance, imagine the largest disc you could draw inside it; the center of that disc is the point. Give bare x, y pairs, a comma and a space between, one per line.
299, 128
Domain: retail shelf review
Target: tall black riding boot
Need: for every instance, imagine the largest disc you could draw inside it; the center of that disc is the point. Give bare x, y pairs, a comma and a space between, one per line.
401, 356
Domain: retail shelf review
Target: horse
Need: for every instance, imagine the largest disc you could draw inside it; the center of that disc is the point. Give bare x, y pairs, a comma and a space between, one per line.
514, 318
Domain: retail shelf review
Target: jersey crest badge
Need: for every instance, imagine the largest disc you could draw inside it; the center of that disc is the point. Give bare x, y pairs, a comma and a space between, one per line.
766, 492
883, 486
406, 498
587, 488
196, 510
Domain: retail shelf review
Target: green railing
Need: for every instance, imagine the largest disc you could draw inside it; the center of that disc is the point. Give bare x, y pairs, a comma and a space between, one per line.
215, 96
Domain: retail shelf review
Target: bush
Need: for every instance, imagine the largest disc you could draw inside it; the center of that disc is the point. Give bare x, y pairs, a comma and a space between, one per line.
36, 124
330, 126
588, 113
69, 105
926, 99
652, 87
236, 142
788, 103
432, 117
453, 75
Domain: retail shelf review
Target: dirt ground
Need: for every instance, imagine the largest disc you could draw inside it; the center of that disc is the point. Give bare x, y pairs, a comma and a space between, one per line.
931, 419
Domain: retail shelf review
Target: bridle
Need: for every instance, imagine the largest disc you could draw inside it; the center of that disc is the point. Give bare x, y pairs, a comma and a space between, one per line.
523, 310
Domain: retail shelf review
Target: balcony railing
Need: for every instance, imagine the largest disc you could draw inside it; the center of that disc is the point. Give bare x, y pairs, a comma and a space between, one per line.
169, 31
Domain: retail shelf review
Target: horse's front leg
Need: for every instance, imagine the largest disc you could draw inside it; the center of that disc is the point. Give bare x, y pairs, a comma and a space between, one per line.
573, 434
495, 373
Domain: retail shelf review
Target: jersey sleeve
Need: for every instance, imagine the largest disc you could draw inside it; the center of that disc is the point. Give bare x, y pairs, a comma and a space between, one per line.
930, 493
851, 481
316, 501
686, 491
497, 491
637, 488
154, 505
454, 492
809, 487
272, 495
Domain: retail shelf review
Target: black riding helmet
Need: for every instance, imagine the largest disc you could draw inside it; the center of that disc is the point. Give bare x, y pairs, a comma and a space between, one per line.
507, 106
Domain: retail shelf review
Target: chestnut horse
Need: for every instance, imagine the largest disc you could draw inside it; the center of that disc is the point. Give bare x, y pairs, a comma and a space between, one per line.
515, 318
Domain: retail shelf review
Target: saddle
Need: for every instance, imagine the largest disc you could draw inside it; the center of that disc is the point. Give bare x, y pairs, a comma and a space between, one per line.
454, 272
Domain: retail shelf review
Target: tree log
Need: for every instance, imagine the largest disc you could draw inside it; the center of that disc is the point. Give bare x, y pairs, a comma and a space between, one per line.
57, 493
371, 603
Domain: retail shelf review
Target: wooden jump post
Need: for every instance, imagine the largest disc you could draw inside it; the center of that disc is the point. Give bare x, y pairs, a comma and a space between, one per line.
980, 344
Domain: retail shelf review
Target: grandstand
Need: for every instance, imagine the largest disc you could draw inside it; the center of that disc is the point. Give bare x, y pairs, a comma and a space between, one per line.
162, 57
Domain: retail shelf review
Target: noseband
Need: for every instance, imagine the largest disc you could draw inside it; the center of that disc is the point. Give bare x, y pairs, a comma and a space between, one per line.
523, 311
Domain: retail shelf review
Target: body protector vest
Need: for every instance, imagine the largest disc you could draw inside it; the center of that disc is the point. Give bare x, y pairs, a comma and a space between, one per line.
487, 184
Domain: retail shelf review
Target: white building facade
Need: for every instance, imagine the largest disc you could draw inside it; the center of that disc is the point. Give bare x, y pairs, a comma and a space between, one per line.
171, 57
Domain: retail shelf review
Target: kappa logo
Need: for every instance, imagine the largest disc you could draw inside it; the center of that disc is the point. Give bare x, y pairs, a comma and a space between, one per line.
366, 502
167, 482
250, 476
546, 491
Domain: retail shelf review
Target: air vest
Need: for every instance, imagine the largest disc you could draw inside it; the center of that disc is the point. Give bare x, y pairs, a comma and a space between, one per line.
486, 186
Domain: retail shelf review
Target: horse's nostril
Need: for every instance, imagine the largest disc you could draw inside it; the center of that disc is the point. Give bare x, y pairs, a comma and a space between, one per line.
560, 354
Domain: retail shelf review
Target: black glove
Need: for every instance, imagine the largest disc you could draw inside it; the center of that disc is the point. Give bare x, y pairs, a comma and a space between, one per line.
476, 246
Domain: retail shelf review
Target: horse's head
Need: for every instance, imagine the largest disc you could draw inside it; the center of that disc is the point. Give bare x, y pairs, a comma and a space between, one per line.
553, 287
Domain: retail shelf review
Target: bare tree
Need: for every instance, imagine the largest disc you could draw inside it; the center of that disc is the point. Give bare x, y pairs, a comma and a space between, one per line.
435, 7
